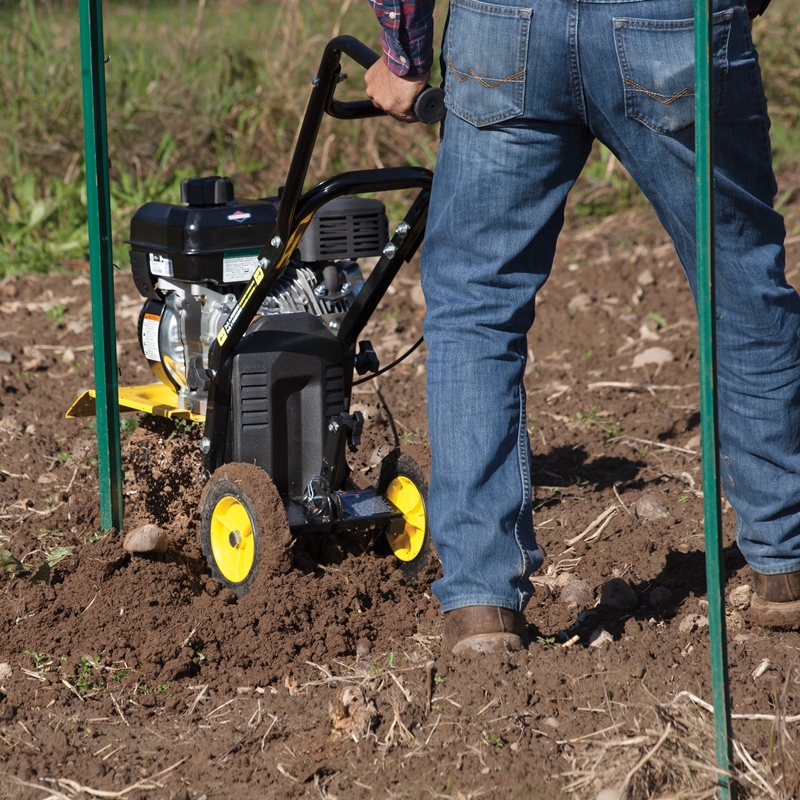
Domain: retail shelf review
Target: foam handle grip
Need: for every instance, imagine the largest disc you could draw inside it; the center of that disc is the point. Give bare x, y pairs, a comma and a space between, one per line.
429, 106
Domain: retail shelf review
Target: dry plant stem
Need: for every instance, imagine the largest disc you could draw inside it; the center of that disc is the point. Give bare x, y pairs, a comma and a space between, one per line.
197, 699
144, 784
708, 707
119, 710
655, 444
629, 385
642, 761
630, 513
602, 518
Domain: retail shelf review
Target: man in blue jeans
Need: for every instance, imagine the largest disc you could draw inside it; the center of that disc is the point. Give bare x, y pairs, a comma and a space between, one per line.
529, 85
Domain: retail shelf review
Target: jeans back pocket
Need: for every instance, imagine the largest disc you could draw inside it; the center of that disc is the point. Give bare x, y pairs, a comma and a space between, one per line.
656, 59
486, 51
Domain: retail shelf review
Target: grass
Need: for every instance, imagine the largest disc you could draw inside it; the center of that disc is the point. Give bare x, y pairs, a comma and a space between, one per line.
195, 89
190, 91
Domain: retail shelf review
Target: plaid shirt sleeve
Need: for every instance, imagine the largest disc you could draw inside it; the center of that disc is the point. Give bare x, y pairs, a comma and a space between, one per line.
407, 35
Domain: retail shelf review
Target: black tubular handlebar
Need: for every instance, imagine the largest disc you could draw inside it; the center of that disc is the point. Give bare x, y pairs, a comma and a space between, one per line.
429, 107
320, 102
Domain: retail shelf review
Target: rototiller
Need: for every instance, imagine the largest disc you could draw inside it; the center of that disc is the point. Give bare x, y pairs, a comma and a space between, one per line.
261, 341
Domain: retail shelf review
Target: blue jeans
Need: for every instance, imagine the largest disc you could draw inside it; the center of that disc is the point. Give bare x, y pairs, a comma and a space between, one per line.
528, 88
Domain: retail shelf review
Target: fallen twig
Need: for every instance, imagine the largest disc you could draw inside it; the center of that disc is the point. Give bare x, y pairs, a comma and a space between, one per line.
654, 444
708, 707
604, 518
119, 710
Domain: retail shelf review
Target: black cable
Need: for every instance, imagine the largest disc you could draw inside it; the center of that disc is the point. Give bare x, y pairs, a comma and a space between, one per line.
393, 364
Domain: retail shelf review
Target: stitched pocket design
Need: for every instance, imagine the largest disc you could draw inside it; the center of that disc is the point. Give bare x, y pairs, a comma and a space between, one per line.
656, 60
486, 50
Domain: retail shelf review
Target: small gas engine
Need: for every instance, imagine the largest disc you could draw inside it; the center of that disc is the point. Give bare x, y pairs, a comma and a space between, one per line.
192, 263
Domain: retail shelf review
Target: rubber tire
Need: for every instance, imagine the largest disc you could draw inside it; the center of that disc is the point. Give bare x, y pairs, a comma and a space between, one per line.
398, 464
254, 489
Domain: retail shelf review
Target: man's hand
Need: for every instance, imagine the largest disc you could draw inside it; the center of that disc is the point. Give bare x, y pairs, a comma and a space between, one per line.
393, 94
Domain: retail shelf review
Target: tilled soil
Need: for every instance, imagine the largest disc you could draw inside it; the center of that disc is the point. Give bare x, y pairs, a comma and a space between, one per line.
138, 676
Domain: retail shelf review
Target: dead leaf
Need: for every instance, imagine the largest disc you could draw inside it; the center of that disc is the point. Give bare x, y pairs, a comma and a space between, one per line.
653, 355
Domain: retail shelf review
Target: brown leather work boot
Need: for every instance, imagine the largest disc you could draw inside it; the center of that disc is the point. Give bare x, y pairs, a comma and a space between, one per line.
484, 629
777, 600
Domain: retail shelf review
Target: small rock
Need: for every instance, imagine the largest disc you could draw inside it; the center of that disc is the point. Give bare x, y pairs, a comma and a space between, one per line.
577, 592
563, 578
693, 443
600, 637
646, 278
653, 355
734, 618
692, 622
740, 597
5, 357
48, 477
617, 594
68, 357
649, 506
660, 596
552, 722
147, 539
579, 303
746, 638
363, 649
353, 714
609, 794
5, 671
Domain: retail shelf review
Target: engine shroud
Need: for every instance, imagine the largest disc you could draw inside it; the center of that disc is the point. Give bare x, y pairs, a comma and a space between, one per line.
192, 262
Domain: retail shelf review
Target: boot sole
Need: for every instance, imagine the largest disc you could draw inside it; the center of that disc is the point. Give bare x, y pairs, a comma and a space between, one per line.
488, 643
784, 616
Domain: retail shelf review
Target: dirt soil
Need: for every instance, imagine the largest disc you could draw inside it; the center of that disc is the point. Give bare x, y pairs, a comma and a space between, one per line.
137, 676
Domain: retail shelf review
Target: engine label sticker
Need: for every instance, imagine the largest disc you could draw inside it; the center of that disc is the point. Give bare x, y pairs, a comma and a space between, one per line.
160, 265
150, 347
239, 267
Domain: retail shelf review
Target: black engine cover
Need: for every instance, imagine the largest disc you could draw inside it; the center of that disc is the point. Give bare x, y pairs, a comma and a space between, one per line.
287, 382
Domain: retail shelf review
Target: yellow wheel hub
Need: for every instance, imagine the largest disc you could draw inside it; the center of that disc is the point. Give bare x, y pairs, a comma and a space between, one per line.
232, 540
405, 495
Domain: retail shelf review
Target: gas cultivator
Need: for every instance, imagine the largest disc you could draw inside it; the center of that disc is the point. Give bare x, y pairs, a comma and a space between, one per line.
251, 323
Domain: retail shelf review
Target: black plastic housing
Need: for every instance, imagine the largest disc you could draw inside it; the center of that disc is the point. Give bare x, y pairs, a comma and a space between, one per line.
347, 227
191, 243
287, 383
195, 239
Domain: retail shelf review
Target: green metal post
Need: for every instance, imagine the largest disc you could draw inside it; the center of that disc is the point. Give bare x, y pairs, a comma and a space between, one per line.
101, 267
715, 576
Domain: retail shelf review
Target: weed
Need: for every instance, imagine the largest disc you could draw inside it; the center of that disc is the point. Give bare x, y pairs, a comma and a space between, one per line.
162, 689
62, 458
593, 418
39, 659
55, 314
684, 498
658, 319
86, 679
547, 642
494, 740
128, 425
43, 571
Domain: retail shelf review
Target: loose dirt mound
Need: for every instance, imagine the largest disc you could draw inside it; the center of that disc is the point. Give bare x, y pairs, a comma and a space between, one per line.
138, 675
